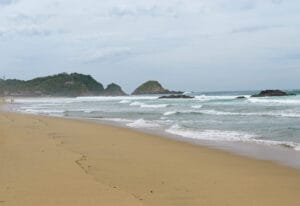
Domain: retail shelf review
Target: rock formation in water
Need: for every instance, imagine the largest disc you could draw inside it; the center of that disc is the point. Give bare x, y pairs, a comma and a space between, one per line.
241, 97
271, 93
114, 90
153, 87
180, 96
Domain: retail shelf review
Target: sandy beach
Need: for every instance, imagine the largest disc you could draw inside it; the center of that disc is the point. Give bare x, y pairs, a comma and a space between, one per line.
55, 161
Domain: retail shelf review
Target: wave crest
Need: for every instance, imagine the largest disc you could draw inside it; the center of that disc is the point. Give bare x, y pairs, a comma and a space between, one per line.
143, 105
229, 136
141, 123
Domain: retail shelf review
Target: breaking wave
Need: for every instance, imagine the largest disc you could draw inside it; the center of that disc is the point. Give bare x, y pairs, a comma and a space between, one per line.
231, 136
141, 123
143, 105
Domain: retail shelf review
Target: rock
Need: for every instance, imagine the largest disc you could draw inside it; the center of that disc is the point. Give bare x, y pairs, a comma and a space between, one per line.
153, 87
271, 93
180, 96
241, 97
114, 90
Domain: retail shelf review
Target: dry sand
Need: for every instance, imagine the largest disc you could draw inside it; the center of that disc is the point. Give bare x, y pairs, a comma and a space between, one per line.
54, 161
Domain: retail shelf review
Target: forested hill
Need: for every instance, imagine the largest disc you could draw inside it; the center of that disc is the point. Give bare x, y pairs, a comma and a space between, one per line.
63, 84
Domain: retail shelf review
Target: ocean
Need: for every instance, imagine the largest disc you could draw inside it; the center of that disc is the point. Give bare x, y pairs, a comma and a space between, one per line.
215, 118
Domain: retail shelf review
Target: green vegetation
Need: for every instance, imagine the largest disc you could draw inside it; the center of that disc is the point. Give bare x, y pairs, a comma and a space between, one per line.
72, 85
57, 85
114, 90
149, 87
153, 87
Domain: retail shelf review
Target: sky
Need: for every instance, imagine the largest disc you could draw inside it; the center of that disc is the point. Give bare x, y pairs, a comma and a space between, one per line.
191, 45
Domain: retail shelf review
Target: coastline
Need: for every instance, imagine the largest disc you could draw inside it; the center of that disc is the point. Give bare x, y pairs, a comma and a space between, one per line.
118, 166
279, 154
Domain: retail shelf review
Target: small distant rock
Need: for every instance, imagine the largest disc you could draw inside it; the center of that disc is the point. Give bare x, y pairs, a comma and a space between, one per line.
241, 97
181, 96
272, 93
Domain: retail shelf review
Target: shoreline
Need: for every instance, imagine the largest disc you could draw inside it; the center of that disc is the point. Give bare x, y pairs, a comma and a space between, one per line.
278, 154
119, 166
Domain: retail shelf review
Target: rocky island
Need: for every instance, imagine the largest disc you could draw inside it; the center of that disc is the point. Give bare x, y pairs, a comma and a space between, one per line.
114, 90
272, 93
153, 87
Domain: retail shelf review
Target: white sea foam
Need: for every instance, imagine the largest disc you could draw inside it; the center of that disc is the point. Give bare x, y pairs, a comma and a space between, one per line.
117, 120
297, 148
89, 111
274, 113
141, 123
143, 105
52, 100
275, 101
197, 106
208, 98
124, 101
170, 113
42, 100
215, 135
82, 110
154, 105
117, 98
136, 104
44, 111
288, 144
228, 136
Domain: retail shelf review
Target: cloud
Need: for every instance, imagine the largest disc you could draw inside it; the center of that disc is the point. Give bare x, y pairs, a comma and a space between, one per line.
104, 54
147, 38
153, 11
27, 31
256, 28
7, 2
277, 1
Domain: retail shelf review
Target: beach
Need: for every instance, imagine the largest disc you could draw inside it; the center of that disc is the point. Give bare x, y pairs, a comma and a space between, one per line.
58, 161
263, 128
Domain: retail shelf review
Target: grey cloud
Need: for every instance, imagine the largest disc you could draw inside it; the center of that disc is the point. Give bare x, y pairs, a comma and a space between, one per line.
104, 54
248, 5
134, 40
21, 18
256, 28
7, 2
277, 1
239, 5
153, 11
26, 32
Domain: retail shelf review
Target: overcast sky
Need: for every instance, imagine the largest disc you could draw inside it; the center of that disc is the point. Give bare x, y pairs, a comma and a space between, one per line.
186, 44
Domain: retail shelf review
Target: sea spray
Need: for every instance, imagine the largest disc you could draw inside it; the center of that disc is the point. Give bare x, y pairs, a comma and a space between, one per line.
141, 123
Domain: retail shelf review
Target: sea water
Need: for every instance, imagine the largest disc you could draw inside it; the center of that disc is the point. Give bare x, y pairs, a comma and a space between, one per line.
217, 117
